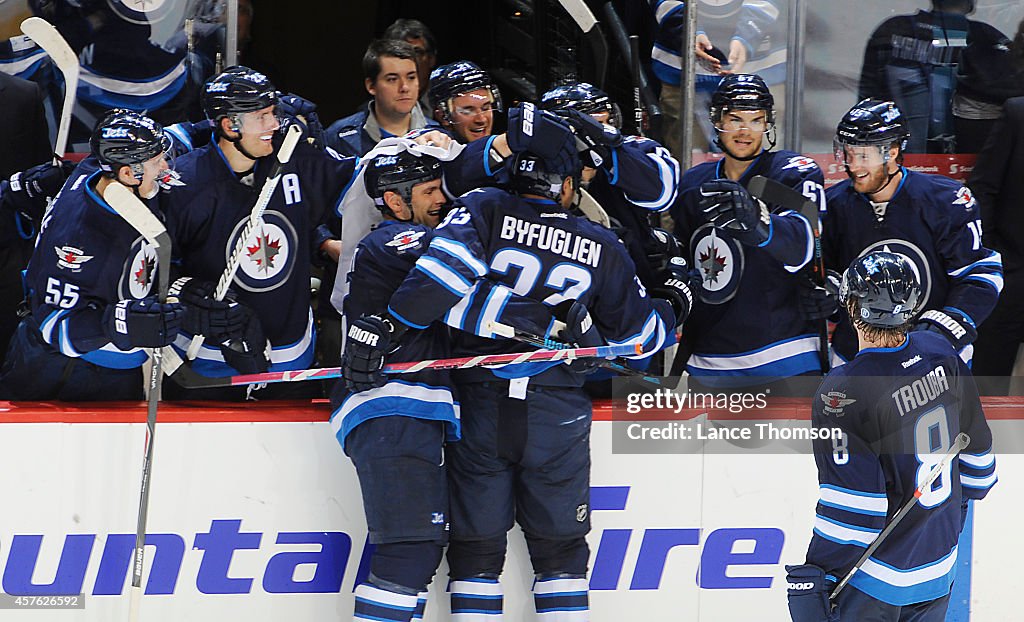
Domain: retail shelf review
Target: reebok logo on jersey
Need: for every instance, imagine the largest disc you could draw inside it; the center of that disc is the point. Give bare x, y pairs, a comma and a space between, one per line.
835, 402
71, 258
364, 337
908, 363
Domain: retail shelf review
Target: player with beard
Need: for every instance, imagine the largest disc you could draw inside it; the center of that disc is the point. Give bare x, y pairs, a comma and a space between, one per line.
931, 220
751, 325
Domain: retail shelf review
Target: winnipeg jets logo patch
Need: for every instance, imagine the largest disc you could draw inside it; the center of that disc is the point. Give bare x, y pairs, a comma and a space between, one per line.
139, 270
268, 254
835, 402
71, 258
406, 240
801, 163
964, 197
142, 11
720, 262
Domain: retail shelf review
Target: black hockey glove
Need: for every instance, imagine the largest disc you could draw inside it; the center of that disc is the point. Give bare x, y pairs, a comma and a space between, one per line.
596, 140
217, 320
808, 595
727, 205
676, 288
301, 111
370, 339
819, 302
143, 323
248, 353
540, 132
951, 324
580, 331
27, 192
660, 247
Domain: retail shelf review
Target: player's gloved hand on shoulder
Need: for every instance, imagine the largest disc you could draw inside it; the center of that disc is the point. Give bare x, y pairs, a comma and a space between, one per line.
819, 302
727, 205
580, 331
217, 320
951, 324
808, 592
676, 288
596, 140
660, 247
301, 111
249, 352
540, 132
142, 323
370, 339
26, 192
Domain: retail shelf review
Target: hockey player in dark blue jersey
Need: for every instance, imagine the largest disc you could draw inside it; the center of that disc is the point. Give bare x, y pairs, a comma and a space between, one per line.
630, 177
899, 404
90, 279
208, 212
930, 219
524, 455
747, 328
464, 99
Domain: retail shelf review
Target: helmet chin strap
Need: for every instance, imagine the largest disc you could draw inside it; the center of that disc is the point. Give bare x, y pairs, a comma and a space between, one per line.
770, 134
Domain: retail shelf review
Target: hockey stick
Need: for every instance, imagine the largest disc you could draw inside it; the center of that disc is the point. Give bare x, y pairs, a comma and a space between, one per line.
591, 29
139, 216
634, 70
189, 379
284, 154
771, 191
47, 37
959, 444
621, 36
616, 365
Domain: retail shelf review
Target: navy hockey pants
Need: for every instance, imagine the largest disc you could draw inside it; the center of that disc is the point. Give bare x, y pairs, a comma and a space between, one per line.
856, 605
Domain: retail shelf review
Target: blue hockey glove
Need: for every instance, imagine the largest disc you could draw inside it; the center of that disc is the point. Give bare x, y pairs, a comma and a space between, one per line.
727, 205
808, 595
819, 302
676, 288
217, 320
951, 324
27, 192
249, 352
370, 340
596, 140
143, 323
580, 331
540, 132
660, 247
301, 111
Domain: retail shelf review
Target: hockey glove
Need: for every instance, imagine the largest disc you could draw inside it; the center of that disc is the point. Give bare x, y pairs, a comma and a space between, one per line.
727, 205
301, 111
660, 247
370, 340
820, 302
808, 595
596, 140
580, 330
540, 132
27, 192
248, 353
143, 323
676, 289
217, 320
951, 324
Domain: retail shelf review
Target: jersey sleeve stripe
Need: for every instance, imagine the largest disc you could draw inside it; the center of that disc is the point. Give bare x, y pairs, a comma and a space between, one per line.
843, 533
809, 252
979, 461
493, 307
403, 320
668, 173
666, 7
994, 260
994, 280
456, 316
461, 252
854, 501
978, 482
444, 275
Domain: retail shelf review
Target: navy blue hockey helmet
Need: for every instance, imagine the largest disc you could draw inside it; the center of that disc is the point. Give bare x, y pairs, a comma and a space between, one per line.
398, 173
584, 97
127, 138
873, 122
237, 90
533, 174
887, 287
448, 81
742, 91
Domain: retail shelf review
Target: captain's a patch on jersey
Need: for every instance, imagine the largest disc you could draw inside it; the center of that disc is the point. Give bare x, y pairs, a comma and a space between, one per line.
835, 402
406, 240
71, 258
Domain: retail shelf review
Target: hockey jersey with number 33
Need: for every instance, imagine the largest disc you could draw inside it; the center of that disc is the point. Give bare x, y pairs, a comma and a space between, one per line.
899, 410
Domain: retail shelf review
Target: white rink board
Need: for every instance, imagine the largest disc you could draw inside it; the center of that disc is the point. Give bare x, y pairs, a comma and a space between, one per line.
275, 478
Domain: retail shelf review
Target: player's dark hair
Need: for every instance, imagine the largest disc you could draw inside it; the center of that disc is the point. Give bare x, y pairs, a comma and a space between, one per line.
884, 336
384, 47
404, 29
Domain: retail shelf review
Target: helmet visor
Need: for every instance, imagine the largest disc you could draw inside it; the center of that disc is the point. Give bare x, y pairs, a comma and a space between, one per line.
860, 156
